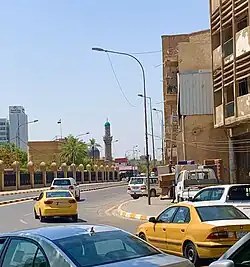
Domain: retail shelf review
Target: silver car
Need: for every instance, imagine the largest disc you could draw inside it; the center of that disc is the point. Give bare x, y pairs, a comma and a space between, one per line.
81, 246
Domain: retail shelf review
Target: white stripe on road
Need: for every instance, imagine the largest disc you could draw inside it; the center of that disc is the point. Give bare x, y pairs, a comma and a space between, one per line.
22, 221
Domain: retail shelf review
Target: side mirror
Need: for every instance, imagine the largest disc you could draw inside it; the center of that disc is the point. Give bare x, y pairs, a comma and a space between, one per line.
35, 198
222, 263
152, 220
190, 199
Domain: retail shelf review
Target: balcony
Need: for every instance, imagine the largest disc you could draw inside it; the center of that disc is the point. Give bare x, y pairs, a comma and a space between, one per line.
228, 51
217, 55
242, 41
243, 105
219, 116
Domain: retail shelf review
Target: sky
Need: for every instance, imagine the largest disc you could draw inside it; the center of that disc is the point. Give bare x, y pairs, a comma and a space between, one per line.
47, 65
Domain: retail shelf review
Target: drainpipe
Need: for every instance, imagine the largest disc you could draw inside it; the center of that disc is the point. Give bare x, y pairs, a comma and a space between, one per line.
183, 137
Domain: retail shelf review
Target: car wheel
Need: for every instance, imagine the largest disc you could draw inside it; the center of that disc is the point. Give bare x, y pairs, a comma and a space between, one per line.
75, 218
35, 215
135, 197
42, 218
78, 198
142, 236
153, 193
191, 253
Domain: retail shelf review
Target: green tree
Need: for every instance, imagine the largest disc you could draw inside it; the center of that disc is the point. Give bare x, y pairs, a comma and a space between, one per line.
10, 153
74, 151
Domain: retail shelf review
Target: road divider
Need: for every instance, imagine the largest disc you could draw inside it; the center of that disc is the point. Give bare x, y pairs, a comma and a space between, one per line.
107, 185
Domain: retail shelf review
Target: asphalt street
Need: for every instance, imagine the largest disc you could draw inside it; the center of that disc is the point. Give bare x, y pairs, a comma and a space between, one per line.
96, 207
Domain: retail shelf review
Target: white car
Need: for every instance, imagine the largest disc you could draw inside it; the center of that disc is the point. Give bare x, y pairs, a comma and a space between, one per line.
67, 184
237, 195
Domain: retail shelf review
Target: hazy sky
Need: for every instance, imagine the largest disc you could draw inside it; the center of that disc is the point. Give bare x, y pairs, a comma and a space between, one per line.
46, 62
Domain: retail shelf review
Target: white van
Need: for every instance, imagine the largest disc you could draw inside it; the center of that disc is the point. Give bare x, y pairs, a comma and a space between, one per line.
137, 187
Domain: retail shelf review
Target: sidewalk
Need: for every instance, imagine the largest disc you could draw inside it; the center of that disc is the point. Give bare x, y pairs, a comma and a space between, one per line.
140, 210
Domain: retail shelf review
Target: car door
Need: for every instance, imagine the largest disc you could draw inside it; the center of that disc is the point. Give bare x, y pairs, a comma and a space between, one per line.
176, 230
23, 252
157, 233
37, 205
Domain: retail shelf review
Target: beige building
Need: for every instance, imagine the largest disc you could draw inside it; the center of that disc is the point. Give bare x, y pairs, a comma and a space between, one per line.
188, 101
230, 34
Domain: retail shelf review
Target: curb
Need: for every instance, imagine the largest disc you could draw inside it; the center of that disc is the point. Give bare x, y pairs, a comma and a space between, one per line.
31, 198
131, 215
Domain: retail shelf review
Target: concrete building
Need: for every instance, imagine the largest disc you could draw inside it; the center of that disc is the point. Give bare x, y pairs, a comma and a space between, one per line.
230, 34
4, 131
108, 142
188, 101
18, 126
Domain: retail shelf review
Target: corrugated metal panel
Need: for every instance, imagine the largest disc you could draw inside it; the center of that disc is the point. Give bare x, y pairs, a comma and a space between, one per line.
195, 89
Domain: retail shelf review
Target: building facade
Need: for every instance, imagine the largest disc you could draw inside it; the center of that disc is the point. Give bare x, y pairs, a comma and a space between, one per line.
4, 131
230, 34
18, 127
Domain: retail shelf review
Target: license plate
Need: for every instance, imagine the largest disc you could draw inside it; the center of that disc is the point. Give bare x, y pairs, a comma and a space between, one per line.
240, 234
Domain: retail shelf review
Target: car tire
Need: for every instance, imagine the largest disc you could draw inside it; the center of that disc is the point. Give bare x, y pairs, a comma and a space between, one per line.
78, 198
42, 218
142, 236
191, 253
135, 197
75, 218
35, 215
152, 193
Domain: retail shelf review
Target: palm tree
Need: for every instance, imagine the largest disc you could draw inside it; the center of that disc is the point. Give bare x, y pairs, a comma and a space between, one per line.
74, 150
93, 145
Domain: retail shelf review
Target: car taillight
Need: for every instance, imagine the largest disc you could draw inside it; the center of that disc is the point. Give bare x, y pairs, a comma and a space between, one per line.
143, 187
71, 201
220, 235
51, 188
71, 187
48, 202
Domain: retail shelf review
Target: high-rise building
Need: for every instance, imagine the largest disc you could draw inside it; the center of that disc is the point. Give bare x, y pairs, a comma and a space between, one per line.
18, 127
4, 131
108, 142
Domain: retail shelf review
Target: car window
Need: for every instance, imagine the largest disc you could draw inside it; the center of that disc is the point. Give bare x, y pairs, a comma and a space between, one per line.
209, 194
214, 213
167, 215
182, 215
104, 247
23, 253
2, 242
61, 182
242, 256
239, 193
137, 180
58, 194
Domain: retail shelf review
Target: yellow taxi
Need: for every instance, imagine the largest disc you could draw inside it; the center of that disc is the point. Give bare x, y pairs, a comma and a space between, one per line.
55, 203
196, 230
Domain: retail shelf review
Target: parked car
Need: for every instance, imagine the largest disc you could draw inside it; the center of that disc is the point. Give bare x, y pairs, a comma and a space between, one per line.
81, 245
67, 184
55, 203
196, 230
234, 194
237, 256
138, 187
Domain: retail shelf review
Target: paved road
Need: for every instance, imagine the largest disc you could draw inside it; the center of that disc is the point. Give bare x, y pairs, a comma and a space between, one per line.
97, 207
18, 196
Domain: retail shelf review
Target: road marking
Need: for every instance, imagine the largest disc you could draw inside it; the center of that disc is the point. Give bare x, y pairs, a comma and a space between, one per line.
28, 214
22, 221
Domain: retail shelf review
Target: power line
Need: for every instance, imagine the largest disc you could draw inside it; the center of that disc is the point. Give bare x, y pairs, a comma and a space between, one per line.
147, 52
118, 82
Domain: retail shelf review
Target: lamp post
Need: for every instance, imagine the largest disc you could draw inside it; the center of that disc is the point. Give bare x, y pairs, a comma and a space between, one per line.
87, 133
18, 131
152, 127
98, 49
162, 134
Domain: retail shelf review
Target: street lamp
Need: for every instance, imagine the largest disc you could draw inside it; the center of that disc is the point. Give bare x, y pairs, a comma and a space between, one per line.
98, 49
82, 134
152, 126
162, 134
115, 141
18, 131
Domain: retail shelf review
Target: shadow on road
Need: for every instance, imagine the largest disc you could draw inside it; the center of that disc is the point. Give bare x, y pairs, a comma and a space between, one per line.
64, 220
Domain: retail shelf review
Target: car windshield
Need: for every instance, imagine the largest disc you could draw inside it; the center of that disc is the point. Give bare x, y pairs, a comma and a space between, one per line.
216, 213
137, 180
61, 182
104, 247
58, 194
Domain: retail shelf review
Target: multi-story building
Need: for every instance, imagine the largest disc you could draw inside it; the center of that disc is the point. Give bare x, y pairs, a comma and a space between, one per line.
18, 127
4, 131
230, 34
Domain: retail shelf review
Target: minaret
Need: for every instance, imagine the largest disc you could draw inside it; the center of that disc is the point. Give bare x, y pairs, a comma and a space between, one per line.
108, 142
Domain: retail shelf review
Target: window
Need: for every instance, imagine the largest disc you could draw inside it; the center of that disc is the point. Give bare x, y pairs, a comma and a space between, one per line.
243, 87
2, 123
182, 215
2, 242
2, 128
23, 253
209, 194
137, 180
242, 256
58, 194
239, 193
167, 215
61, 182
215, 213
104, 247
2, 133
